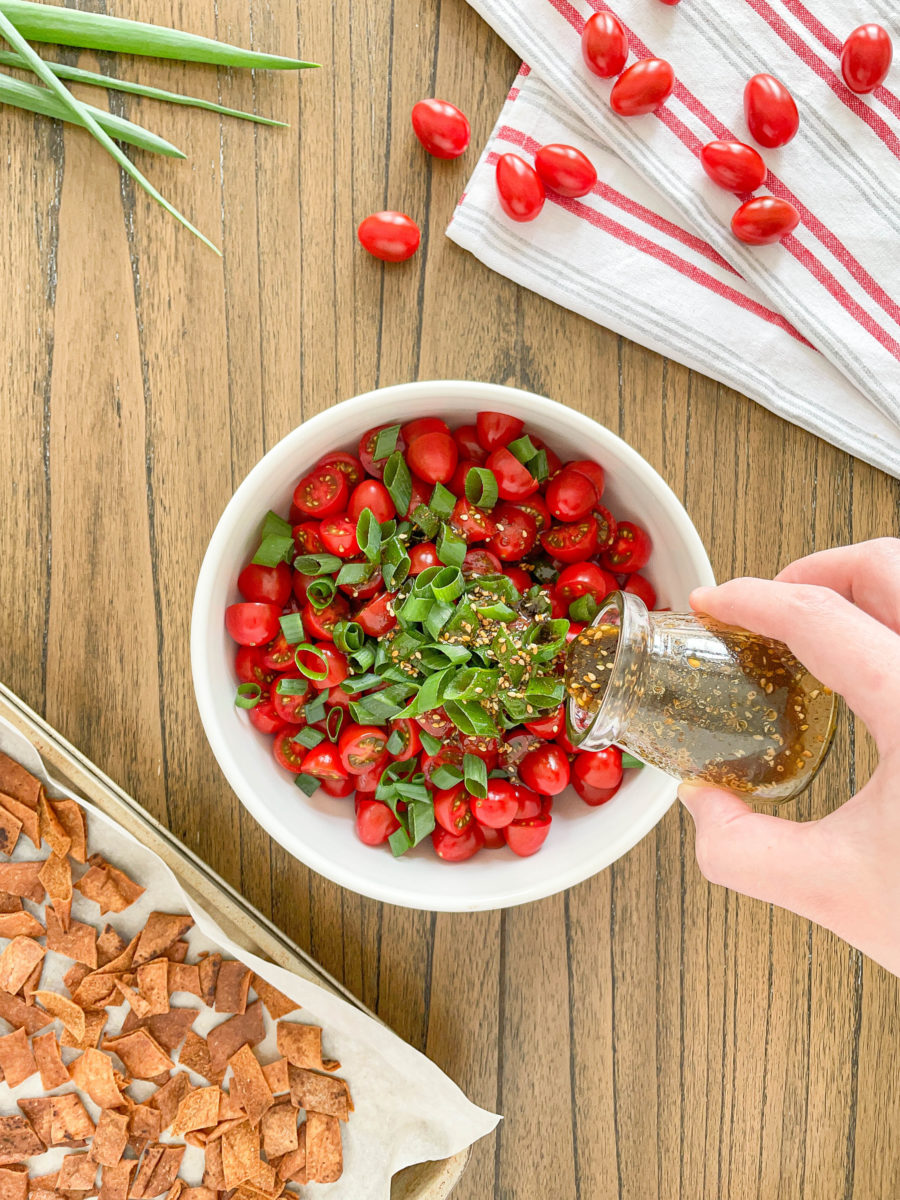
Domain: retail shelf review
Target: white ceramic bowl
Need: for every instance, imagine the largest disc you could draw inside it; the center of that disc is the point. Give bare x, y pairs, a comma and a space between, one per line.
319, 831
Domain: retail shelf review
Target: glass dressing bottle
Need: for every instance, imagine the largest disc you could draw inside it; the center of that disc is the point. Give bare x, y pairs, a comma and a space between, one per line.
700, 700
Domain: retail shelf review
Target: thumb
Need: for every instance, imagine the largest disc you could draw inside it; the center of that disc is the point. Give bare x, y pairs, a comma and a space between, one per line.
773, 859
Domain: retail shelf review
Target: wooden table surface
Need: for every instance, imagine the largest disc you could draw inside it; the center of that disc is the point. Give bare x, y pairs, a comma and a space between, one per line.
644, 1035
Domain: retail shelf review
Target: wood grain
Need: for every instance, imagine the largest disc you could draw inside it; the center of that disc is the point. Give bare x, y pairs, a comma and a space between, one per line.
645, 1035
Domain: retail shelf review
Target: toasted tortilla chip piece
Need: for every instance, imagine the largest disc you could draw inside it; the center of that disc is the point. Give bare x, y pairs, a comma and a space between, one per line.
18, 1141
71, 816
51, 828
15, 781
301, 1045
198, 1193
27, 816
161, 930
320, 1093
58, 1120
194, 1055
17, 962
94, 1024
145, 1125
115, 1182
276, 1074
169, 1096
209, 973
110, 1138
93, 1074
240, 1153
292, 1167
77, 1173
213, 1171
184, 977
10, 904
14, 1183
177, 952
56, 876
142, 1055
22, 879
54, 1072
169, 1029
109, 946
21, 1015
16, 1059
20, 924
107, 886
198, 1110
250, 1084
232, 987
10, 828
75, 975
153, 984
277, 1003
244, 1029
324, 1155
65, 1010
78, 942
279, 1130
157, 1171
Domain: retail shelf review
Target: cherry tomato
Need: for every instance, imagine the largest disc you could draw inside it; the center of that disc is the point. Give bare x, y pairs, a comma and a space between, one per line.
499, 807
497, 429
521, 580
422, 557
433, 457
594, 472
764, 220
438, 724
409, 732
290, 708
348, 463
390, 236
642, 88
562, 739
481, 562
514, 480
370, 778
584, 579
604, 45
519, 188
526, 837
554, 462
570, 495
486, 748
451, 809
457, 847
558, 606
377, 618
322, 493
549, 726
367, 449
448, 755
306, 537
866, 58
338, 788
593, 796
516, 533
414, 429
362, 747
249, 667
373, 496
514, 748
565, 170
265, 585
606, 527
528, 803
278, 655
338, 698
441, 128
770, 111
329, 659
288, 753
252, 623
323, 762
472, 523
545, 770
571, 543
537, 507
364, 591
320, 622
639, 586
338, 535
466, 438
493, 838
599, 768
630, 551
421, 494
734, 166
575, 627
374, 822
265, 718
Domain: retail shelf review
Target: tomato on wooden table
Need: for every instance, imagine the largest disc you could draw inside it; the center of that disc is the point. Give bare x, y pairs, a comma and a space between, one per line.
441, 127
323, 762
571, 543
367, 444
253, 623
495, 429
374, 822
390, 236
377, 617
545, 770
499, 807
516, 533
514, 480
571, 495
348, 463
637, 585
457, 847
565, 170
866, 58
338, 536
249, 667
764, 220
362, 747
433, 457
604, 45
472, 523
264, 716
408, 732
642, 87
326, 659
630, 551
770, 111
266, 585
470, 448
526, 837
324, 492
584, 579
374, 496
423, 556
519, 187
288, 753
320, 622
734, 166
452, 809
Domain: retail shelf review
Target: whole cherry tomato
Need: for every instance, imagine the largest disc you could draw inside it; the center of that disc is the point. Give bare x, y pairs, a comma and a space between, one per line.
514, 480
266, 718
630, 551
516, 533
441, 128
499, 807
451, 809
591, 795
519, 187
545, 770
548, 727
604, 45
266, 585
252, 623
495, 429
764, 220
529, 803
642, 88
374, 822
390, 236
565, 170
770, 111
571, 495
639, 586
526, 837
339, 788
422, 557
414, 429
571, 543
375, 497
599, 768
734, 166
433, 457
457, 847
866, 58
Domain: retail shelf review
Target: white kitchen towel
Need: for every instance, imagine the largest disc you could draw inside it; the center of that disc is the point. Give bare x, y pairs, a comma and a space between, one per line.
811, 327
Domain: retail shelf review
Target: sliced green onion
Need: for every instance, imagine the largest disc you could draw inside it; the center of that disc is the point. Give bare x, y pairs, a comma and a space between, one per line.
441, 654
475, 775
385, 442
308, 784
355, 573
448, 584
497, 612
481, 487
413, 791
309, 648
274, 526
292, 628
273, 550
360, 683
396, 743
317, 564
396, 573
446, 776
399, 842
523, 448
415, 609
429, 695
320, 592
549, 637
430, 743
540, 466
363, 715
309, 737
451, 548
363, 658
314, 711
442, 501
630, 763
421, 821
248, 695
398, 482
471, 718
368, 534
438, 616
426, 521
585, 608
291, 687
333, 723
348, 636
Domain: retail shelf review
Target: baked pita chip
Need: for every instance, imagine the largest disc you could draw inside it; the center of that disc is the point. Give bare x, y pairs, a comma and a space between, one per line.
142, 1055
17, 962
71, 816
276, 1074
324, 1154
110, 1138
232, 987
250, 1084
320, 1093
92, 1073
65, 1010
18, 1141
14, 1183
22, 879
54, 1072
157, 1172
10, 828
115, 1182
78, 942
16, 1058
278, 1128
18, 783
246, 1028
277, 1003
21, 1015
198, 1110
27, 816
240, 1153
160, 932
301, 1045
77, 1173
51, 828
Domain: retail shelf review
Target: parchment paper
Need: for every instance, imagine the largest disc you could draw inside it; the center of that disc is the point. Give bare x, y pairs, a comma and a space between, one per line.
407, 1109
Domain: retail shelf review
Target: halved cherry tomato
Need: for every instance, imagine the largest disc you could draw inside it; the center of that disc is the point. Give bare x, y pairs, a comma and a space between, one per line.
599, 768
516, 533
377, 617
438, 724
457, 847
514, 480
466, 438
266, 585
493, 838
265, 718
324, 762
764, 220
390, 236
639, 586
558, 606
329, 659
593, 796
338, 535
528, 803
252, 623
486, 748
519, 188
338, 698
526, 837
499, 807
422, 557
584, 579
497, 429
288, 753
414, 429
457, 484
770, 111
545, 770
630, 551
594, 472
367, 449
562, 739
565, 169
320, 622
338, 788
374, 822
538, 509
306, 537
421, 494
433, 457
571, 495
348, 463
642, 88
362, 747
548, 727
278, 655
452, 810
481, 562
571, 543
521, 580
364, 591
249, 667
441, 128
472, 523
370, 778
604, 45
290, 708
322, 493
409, 731
734, 166
514, 748
375, 497
448, 755
866, 58
606, 527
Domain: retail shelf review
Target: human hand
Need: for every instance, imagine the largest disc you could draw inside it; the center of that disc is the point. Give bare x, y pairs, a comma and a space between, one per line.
839, 612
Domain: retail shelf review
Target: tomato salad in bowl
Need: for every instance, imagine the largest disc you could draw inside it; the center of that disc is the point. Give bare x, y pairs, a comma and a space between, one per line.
402, 631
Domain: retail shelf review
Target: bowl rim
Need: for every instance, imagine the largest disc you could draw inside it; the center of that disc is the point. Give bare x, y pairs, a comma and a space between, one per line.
497, 397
